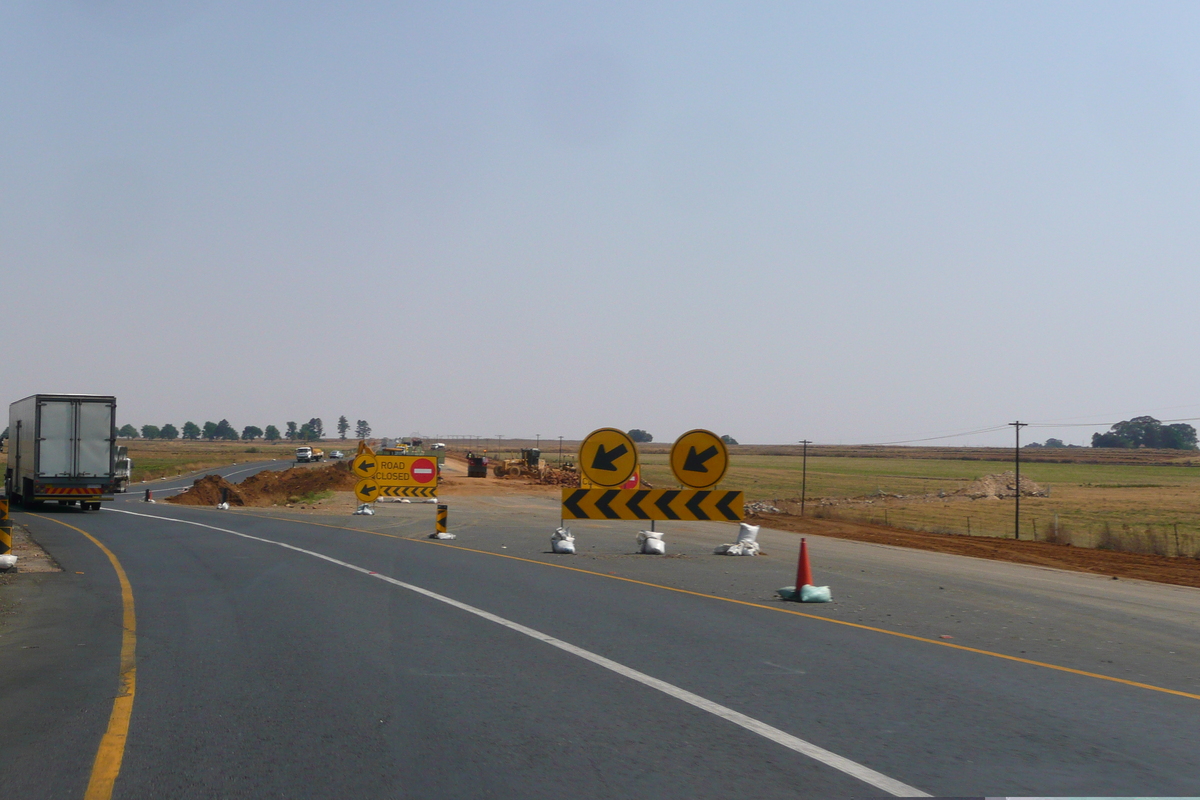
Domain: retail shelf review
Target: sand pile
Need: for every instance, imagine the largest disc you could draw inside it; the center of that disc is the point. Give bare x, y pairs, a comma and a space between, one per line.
269, 488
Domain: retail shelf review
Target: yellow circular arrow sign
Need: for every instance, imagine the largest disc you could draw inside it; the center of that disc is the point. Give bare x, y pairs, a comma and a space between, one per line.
699, 459
608, 457
366, 491
364, 465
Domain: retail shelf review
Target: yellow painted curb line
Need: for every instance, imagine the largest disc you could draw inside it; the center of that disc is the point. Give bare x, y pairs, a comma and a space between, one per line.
112, 745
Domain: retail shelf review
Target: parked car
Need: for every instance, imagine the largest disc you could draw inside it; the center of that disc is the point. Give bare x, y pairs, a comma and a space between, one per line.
337, 454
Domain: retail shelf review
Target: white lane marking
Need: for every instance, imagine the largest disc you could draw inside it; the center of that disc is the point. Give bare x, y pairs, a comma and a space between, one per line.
840, 763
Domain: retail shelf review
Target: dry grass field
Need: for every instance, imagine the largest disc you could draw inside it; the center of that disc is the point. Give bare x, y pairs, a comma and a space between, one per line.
158, 458
1148, 503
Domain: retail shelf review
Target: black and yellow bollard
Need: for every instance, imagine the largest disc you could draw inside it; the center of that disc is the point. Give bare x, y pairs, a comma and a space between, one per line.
5, 529
442, 514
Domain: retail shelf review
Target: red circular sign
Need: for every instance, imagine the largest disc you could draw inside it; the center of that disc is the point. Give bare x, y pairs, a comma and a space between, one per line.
423, 470
634, 481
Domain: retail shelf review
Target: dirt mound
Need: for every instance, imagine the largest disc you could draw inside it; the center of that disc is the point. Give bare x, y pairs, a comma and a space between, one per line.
1002, 485
269, 488
560, 477
206, 491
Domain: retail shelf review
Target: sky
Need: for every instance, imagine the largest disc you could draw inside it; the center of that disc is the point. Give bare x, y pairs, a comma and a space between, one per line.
851, 223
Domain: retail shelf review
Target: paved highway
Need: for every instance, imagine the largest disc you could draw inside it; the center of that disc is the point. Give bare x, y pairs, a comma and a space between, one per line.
330, 656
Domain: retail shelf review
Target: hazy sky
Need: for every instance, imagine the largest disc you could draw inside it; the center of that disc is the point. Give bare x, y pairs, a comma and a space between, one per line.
852, 223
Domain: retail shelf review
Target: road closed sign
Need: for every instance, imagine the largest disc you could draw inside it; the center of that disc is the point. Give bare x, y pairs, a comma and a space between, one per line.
608, 457
396, 470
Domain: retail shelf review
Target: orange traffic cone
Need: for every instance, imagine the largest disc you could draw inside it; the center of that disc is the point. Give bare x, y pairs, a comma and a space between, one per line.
803, 569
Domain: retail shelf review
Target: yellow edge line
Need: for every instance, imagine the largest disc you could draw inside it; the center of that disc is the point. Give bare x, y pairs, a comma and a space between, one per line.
112, 745
858, 625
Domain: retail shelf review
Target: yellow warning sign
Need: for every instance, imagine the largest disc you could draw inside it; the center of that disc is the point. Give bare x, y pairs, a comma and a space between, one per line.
608, 457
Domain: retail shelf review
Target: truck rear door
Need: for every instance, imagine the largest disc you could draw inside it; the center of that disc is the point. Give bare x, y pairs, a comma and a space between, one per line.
56, 430
95, 440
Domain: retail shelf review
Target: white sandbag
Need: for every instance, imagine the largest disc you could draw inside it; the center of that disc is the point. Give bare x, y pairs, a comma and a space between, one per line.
652, 543
746, 544
365, 509
808, 594
747, 533
815, 594
8, 561
223, 506
442, 535
561, 541
737, 549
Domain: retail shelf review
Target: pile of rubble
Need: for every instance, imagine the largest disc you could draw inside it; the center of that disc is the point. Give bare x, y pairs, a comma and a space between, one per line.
559, 477
761, 507
1002, 485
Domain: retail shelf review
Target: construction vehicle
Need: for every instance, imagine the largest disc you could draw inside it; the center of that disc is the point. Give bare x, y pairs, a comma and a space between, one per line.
477, 465
306, 454
529, 465
63, 449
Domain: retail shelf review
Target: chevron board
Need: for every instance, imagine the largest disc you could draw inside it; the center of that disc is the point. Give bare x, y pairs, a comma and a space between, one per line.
635, 504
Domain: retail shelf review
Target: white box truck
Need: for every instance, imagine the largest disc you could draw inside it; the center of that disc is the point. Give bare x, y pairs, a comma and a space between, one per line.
63, 448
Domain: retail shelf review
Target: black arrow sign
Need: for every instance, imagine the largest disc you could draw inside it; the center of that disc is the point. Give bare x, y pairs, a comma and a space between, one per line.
693, 505
695, 461
724, 508
604, 460
602, 505
664, 504
370, 489
635, 504
367, 466
572, 502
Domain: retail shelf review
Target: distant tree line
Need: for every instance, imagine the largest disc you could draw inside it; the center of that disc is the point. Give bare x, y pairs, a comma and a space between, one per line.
310, 431
1147, 432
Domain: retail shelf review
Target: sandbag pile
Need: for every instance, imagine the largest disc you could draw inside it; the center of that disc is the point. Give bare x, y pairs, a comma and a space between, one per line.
746, 544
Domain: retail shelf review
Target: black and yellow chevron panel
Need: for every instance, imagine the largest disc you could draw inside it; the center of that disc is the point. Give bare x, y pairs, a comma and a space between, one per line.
658, 504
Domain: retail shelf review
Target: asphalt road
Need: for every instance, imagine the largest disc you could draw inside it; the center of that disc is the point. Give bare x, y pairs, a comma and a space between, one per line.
361, 659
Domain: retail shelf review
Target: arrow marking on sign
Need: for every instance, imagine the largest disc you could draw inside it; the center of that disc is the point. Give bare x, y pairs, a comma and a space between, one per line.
604, 459
664, 504
602, 505
724, 508
695, 461
642, 504
572, 503
635, 504
693, 505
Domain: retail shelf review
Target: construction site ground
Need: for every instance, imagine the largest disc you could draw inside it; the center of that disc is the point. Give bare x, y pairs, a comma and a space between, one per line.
513, 494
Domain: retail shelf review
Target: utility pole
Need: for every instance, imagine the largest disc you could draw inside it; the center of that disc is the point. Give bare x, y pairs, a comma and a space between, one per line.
1017, 457
804, 474
560, 451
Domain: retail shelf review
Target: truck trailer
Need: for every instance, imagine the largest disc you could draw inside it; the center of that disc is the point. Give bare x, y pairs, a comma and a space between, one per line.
63, 449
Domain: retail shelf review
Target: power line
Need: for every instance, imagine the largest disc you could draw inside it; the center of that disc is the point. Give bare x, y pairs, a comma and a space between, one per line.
936, 438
